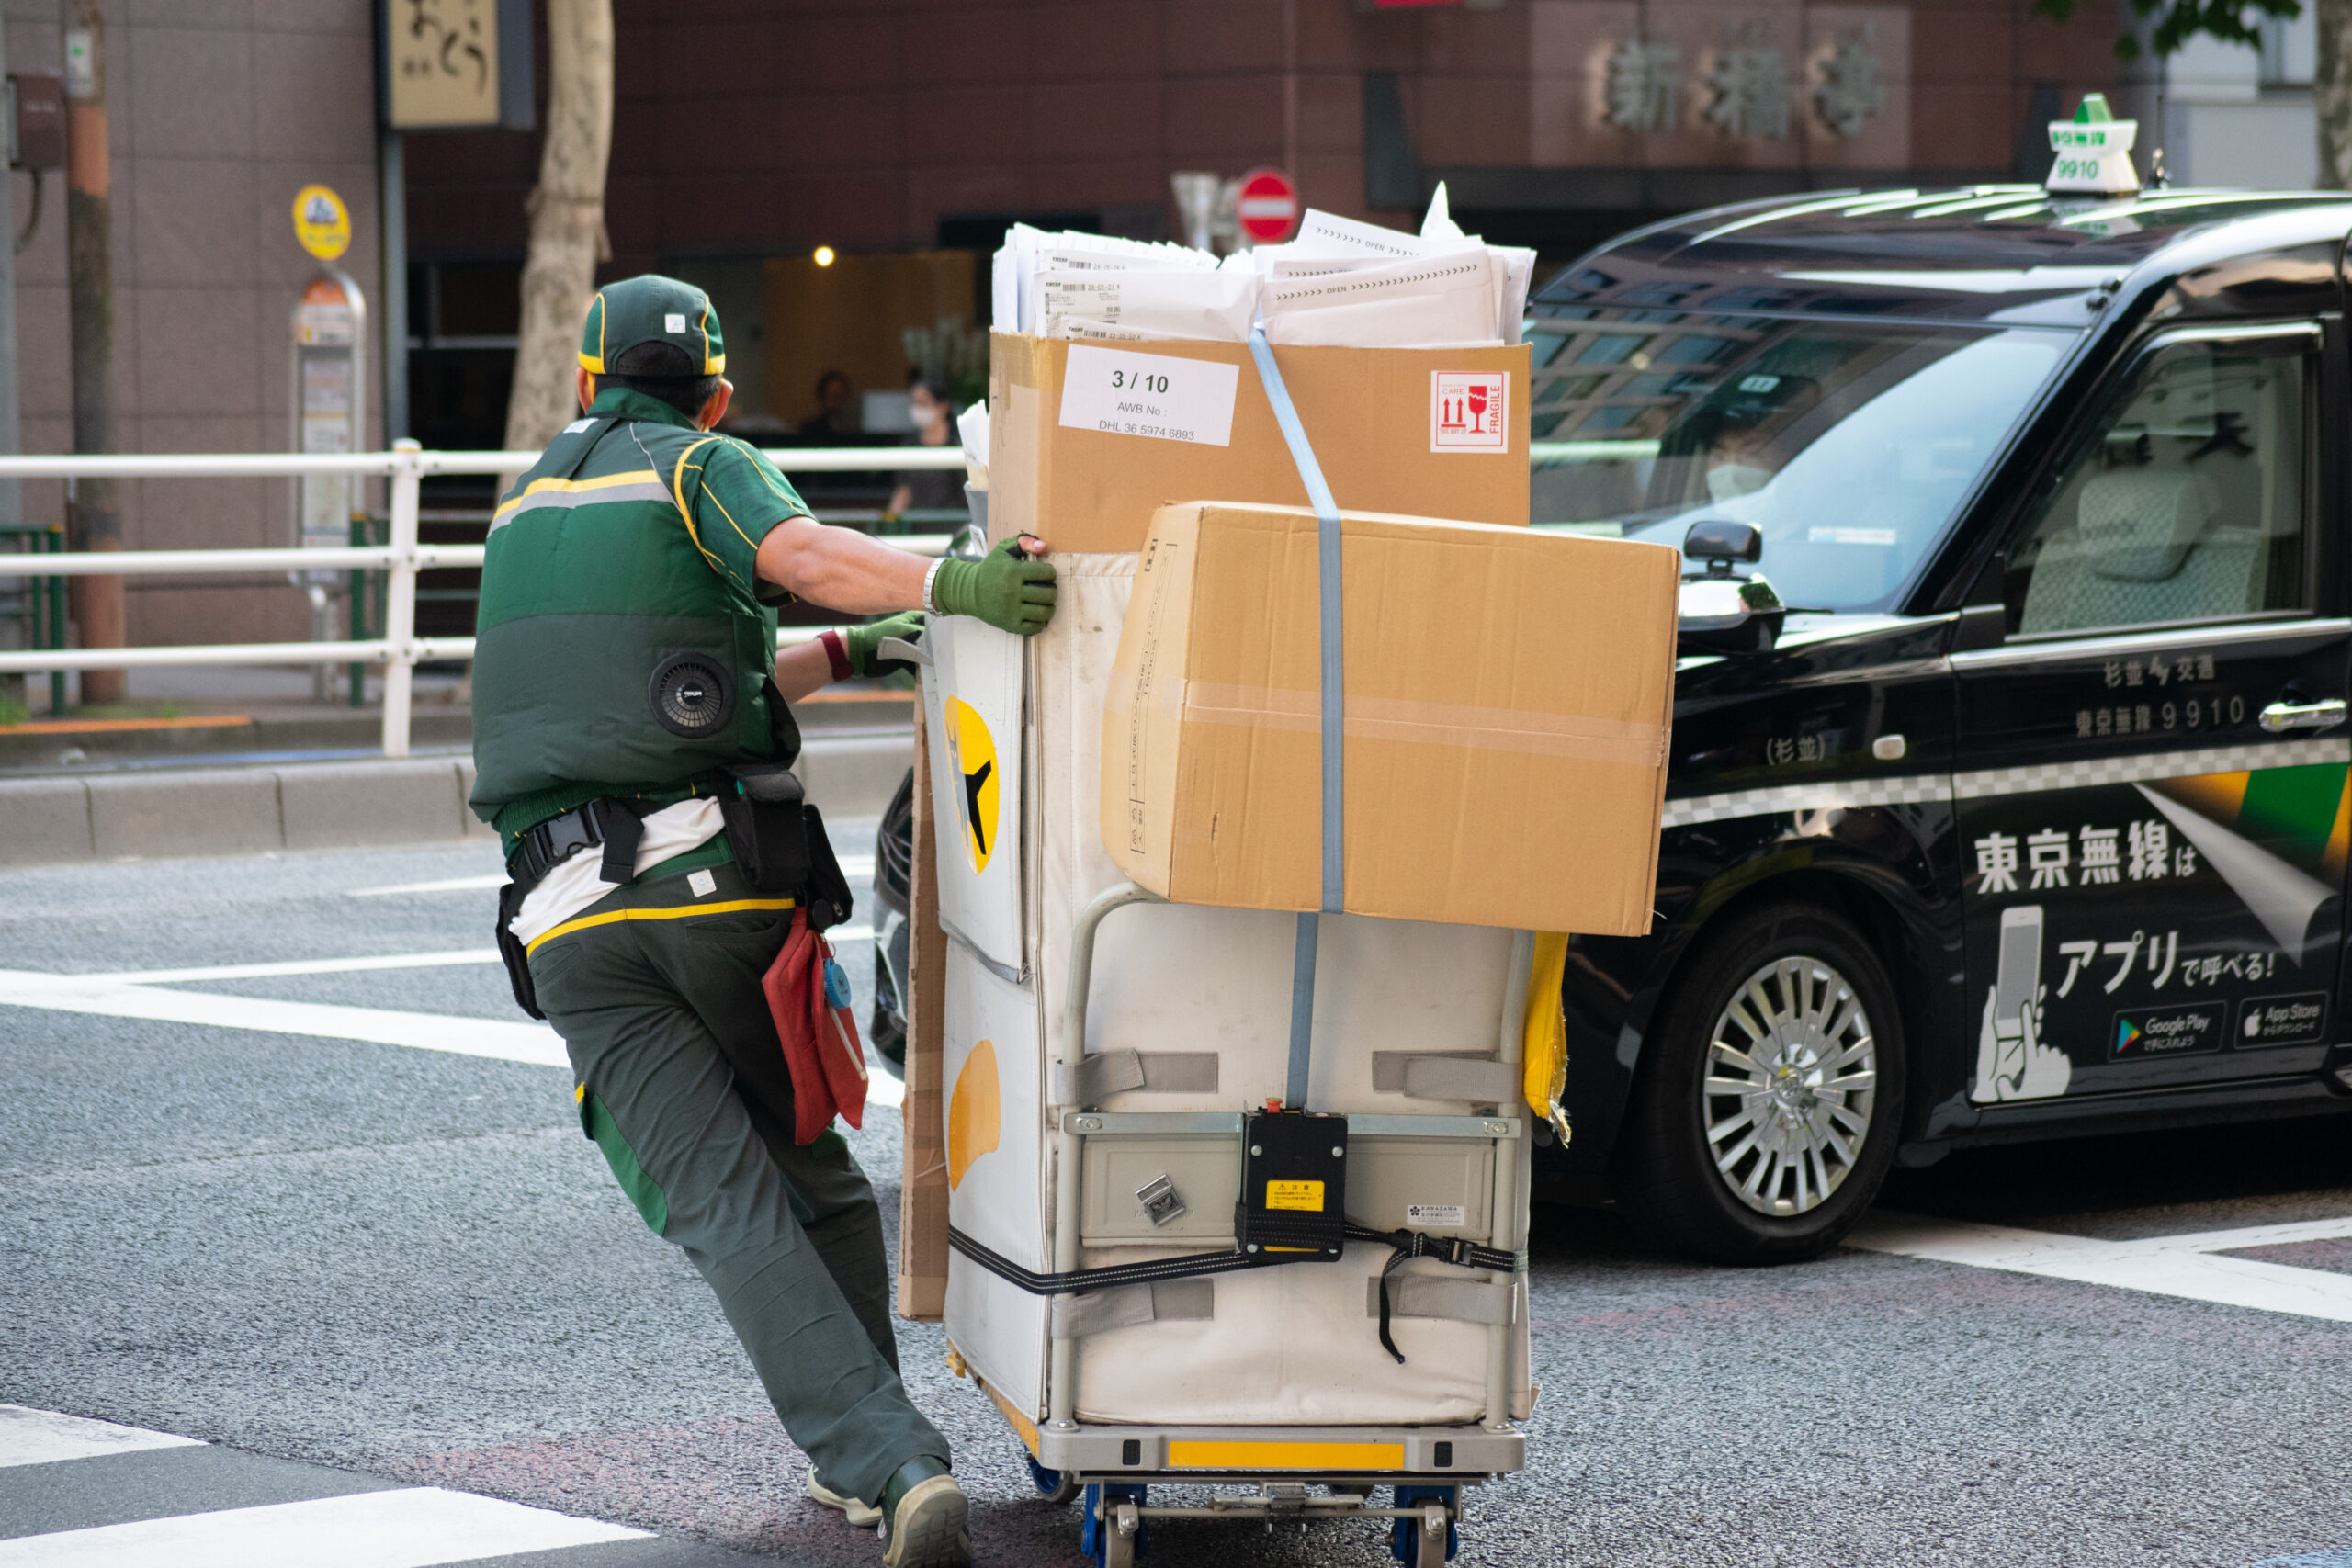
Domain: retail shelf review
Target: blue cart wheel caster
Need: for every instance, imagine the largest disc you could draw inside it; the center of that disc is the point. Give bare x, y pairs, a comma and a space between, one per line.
1051, 1484
1100, 1538
1412, 1542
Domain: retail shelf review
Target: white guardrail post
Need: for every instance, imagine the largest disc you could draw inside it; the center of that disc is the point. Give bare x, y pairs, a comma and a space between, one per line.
400, 596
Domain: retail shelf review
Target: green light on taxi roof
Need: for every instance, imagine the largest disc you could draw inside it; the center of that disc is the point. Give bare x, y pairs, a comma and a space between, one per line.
2093, 110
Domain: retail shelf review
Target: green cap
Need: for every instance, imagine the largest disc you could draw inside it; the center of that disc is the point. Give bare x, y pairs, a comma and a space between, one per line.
651, 309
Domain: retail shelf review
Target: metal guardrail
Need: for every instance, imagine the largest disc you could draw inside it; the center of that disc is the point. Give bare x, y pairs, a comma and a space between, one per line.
406, 466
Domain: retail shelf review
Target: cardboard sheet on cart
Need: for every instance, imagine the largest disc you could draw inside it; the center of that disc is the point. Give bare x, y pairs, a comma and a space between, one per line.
972, 708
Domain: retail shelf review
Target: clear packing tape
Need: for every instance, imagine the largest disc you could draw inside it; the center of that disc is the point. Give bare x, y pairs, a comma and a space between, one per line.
1545, 1047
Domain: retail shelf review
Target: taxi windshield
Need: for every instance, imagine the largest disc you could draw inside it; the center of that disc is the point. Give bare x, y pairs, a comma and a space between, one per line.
1848, 444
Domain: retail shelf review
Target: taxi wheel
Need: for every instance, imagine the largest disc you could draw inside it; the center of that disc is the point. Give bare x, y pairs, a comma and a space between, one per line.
1765, 1111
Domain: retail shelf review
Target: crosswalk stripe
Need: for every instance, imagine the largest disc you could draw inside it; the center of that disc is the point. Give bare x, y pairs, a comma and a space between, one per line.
407, 1527
44, 1437
533, 1042
461, 957
2189, 1266
113, 997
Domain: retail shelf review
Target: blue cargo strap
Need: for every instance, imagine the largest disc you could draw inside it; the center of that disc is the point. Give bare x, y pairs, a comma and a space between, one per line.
1326, 571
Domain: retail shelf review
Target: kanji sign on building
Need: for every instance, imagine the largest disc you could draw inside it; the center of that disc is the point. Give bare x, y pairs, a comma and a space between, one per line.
441, 63
1266, 205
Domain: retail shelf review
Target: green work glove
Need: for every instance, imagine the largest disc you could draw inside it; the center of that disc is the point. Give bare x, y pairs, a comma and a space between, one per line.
1003, 588
863, 641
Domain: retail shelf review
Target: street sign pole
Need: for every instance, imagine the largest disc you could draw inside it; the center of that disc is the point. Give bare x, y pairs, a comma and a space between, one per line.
328, 379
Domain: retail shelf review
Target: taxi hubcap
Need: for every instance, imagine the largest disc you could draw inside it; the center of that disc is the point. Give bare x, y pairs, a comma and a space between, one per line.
1791, 1072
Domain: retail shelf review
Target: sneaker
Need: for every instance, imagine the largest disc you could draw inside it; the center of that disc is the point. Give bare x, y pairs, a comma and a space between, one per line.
863, 1516
923, 1519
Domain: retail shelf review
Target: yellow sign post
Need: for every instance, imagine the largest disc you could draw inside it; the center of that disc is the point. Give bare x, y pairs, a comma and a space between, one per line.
321, 222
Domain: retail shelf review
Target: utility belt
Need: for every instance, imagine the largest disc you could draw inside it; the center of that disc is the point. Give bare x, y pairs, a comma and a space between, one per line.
777, 838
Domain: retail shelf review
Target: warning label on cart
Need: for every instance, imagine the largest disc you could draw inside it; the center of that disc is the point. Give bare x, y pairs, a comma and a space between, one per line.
1294, 1195
1420, 1215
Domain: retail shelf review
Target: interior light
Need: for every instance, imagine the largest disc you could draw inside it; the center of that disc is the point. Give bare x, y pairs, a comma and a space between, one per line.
824, 255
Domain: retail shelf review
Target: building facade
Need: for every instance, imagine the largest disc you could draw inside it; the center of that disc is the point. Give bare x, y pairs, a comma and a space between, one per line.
904, 135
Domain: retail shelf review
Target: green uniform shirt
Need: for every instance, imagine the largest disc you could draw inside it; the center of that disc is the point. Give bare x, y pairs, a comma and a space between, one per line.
602, 561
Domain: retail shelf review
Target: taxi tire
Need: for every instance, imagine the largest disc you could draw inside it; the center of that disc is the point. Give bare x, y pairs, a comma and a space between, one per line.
1664, 1177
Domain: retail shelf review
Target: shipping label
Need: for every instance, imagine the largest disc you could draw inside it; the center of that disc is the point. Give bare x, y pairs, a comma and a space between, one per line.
1158, 396
1469, 411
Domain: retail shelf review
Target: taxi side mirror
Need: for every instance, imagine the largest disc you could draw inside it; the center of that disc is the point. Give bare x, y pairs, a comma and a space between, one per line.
1719, 613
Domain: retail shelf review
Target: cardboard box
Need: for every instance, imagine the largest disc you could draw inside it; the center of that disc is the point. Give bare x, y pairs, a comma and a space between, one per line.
1072, 459
923, 1171
1508, 698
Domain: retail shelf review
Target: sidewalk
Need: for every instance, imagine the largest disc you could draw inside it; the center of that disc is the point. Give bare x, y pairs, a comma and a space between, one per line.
234, 760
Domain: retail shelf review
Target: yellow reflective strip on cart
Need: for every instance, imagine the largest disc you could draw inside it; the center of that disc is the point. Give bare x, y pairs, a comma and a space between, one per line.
1182, 1455
611, 917
1021, 1424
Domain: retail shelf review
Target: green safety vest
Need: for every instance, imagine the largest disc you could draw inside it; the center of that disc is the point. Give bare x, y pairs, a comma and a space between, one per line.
598, 569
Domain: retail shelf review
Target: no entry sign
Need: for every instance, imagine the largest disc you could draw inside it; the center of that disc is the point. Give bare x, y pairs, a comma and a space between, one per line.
1266, 205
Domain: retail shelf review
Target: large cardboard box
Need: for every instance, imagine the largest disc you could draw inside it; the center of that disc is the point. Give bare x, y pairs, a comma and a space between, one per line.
1087, 440
1507, 697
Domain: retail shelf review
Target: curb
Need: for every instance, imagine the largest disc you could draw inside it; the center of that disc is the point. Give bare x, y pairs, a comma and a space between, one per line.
168, 813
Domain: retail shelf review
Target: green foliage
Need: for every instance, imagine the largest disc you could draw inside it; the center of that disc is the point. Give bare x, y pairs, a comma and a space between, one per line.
13, 712
2178, 21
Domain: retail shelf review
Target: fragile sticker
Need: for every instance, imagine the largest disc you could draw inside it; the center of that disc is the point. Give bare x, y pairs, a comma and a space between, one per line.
1158, 396
1422, 1215
1306, 1195
1469, 411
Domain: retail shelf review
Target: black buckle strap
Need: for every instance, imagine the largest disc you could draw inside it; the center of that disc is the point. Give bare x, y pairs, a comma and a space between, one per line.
617, 825
1457, 1250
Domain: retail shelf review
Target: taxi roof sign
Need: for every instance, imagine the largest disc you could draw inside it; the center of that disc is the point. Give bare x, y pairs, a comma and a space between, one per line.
2094, 151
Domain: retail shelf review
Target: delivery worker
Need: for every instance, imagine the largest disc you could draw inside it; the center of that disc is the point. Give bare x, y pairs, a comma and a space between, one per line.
626, 662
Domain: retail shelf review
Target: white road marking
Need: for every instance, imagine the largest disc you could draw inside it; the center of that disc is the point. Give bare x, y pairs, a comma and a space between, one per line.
408, 1528
113, 995
2184, 1266
44, 1437
532, 1042
446, 884
297, 966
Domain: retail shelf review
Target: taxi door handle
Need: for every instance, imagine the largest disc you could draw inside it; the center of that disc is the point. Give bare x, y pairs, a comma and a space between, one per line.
2281, 716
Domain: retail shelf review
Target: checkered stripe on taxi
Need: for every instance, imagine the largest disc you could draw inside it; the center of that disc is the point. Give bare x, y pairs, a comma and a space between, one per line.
1928, 789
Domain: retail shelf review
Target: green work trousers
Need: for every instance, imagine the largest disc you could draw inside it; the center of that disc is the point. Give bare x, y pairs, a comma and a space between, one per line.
682, 1083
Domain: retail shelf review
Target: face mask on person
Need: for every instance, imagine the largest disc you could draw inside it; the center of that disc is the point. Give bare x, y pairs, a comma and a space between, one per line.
1728, 481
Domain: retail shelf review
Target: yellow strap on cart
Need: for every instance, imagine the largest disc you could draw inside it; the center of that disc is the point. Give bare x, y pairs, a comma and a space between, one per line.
1545, 1052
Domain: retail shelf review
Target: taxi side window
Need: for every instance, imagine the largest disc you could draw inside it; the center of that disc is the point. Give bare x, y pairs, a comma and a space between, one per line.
2185, 500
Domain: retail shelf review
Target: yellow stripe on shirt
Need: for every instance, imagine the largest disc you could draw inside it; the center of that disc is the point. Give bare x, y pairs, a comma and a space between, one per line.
578, 487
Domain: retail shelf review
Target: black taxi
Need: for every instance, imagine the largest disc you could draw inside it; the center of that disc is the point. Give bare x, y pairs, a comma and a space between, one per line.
2008, 796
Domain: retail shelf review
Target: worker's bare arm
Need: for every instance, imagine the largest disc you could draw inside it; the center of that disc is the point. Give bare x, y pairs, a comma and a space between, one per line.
802, 667
841, 568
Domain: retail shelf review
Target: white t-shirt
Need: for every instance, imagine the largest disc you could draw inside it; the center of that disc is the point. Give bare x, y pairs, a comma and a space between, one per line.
578, 881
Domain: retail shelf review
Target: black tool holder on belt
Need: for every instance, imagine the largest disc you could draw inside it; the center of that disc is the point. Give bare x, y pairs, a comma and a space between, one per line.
779, 841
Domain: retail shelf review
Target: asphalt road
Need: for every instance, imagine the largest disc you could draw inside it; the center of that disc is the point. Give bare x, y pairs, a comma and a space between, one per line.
405, 1265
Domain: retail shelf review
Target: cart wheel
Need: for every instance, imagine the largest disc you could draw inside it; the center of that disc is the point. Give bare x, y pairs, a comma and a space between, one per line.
1428, 1537
1110, 1531
1051, 1484
1122, 1538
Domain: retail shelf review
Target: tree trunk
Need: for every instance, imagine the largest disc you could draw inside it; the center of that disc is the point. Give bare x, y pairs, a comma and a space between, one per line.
567, 221
2332, 93
93, 517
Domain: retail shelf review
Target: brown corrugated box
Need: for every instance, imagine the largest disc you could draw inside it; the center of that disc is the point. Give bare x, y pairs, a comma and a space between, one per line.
1507, 699
922, 1170
1380, 420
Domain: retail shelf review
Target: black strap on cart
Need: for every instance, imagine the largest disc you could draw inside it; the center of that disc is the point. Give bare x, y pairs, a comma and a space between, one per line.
1407, 1244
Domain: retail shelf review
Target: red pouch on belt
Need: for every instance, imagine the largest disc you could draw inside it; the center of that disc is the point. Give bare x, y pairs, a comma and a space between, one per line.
808, 997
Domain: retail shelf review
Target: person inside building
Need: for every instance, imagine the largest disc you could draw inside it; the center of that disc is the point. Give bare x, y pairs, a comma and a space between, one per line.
631, 724
834, 416
933, 408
